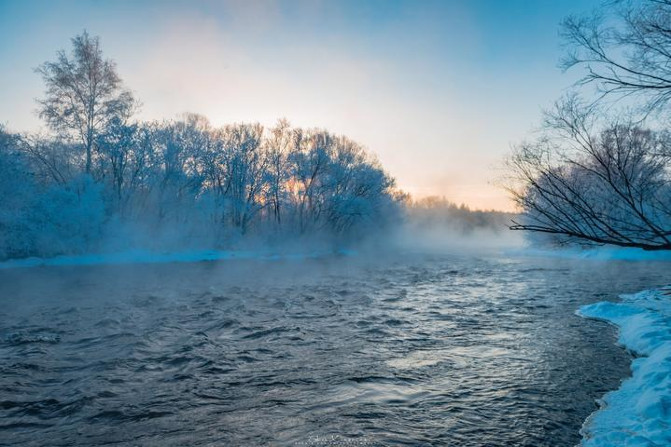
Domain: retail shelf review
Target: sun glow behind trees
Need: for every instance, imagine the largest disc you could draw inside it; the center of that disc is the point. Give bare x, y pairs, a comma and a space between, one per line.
437, 90
179, 184
109, 182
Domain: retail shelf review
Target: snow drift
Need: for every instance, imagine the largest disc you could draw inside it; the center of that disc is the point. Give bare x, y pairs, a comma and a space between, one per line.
639, 412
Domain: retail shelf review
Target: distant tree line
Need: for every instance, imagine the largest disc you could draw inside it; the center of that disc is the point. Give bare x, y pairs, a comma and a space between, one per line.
438, 213
105, 179
601, 174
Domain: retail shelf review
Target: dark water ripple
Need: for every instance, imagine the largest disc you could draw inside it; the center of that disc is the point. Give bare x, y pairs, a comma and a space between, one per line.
424, 350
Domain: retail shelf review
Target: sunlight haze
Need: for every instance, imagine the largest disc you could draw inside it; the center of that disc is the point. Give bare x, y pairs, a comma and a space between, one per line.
439, 91
335, 222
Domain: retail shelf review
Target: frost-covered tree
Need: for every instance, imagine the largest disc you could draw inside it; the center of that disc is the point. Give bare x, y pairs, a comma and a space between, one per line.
591, 178
103, 180
45, 211
309, 164
16, 194
176, 175
122, 162
626, 53
596, 184
51, 160
84, 94
278, 147
357, 187
245, 168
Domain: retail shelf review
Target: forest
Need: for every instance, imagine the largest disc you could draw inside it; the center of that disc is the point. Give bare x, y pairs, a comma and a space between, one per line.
597, 173
102, 180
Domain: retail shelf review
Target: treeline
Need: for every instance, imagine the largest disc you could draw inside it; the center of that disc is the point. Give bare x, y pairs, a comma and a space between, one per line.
438, 213
601, 174
105, 181
185, 183
183, 180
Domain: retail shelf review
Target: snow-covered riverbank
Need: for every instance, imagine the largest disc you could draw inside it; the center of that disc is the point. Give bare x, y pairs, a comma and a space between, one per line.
596, 253
639, 412
150, 257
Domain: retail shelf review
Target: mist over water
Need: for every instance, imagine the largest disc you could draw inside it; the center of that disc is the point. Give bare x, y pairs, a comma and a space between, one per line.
409, 349
258, 247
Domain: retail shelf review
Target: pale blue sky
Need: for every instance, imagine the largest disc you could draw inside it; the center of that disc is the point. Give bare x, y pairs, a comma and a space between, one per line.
439, 90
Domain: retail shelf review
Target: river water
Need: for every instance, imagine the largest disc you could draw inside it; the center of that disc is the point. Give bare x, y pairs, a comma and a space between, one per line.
419, 349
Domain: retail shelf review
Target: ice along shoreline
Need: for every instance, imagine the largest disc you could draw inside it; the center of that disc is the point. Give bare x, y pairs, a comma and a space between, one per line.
639, 412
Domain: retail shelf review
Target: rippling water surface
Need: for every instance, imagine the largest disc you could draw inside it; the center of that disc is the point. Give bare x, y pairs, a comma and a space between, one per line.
413, 350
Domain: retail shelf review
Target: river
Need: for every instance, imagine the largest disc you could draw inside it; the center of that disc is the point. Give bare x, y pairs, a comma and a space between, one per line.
412, 349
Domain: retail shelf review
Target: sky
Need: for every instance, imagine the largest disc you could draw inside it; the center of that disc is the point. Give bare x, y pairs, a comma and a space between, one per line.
439, 91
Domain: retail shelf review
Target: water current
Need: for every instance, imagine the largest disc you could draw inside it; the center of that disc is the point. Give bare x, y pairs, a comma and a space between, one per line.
414, 349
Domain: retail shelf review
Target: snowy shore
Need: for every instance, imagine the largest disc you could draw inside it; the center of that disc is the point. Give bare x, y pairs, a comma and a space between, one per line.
636, 414
596, 254
150, 257
639, 412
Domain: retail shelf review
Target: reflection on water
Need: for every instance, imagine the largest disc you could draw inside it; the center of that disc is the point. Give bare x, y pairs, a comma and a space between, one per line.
418, 350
